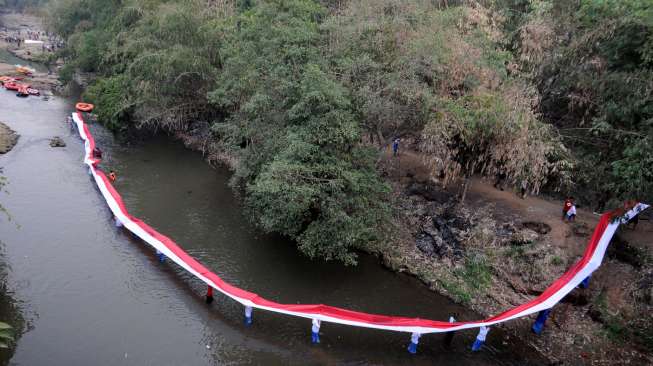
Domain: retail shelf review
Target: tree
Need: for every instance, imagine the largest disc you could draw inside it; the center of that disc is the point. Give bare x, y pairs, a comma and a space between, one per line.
595, 80
494, 134
305, 172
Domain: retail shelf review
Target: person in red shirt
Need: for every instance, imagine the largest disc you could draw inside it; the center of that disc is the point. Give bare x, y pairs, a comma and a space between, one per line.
566, 206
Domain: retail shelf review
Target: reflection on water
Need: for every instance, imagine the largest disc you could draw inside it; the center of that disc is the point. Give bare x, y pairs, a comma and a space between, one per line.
100, 295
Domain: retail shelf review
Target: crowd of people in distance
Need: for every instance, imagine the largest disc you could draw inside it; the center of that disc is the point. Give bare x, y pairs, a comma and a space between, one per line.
51, 42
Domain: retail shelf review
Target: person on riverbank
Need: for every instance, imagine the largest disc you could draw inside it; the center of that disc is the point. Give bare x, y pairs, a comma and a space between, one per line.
523, 189
566, 206
395, 146
499, 179
112, 176
571, 213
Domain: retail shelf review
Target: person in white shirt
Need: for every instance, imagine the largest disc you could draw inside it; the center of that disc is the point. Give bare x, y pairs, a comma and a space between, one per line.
571, 213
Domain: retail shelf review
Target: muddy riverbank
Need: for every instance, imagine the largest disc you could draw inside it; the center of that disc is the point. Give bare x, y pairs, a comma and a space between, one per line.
497, 251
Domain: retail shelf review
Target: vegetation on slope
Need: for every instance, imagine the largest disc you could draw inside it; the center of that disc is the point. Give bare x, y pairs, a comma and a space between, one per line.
307, 94
592, 61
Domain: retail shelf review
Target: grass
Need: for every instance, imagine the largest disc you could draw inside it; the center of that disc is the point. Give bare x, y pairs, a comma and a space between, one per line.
614, 327
556, 261
457, 292
475, 273
518, 251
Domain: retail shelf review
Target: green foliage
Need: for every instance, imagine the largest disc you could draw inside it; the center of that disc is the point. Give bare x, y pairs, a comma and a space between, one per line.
259, 71
556, 261
403, 55
457, 292
6, 335
66, 73
495, 133
476, 273
305, 172
301, 94
595, 78
110, 97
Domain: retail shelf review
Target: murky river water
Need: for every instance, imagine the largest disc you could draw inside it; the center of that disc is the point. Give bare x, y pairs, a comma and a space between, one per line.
92, 294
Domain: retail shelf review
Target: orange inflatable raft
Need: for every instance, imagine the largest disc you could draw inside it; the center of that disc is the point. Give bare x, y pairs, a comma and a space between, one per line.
84, 107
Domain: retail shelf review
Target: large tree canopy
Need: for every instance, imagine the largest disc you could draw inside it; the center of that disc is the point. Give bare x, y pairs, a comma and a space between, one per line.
305, 94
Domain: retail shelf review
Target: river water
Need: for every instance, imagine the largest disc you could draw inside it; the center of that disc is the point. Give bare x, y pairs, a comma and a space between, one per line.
92, 294
9, 58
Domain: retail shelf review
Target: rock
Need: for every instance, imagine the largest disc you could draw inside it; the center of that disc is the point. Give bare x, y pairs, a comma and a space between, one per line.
57, 142
523, 237
419, 209
8, 138
445, 231
429, 228
434, 208
426, 244
506, 230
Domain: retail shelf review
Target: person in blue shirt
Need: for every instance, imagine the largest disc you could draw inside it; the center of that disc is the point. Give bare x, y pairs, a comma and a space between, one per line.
395, 146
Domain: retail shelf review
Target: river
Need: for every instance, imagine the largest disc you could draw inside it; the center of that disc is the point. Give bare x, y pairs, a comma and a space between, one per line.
9, 58
92, 294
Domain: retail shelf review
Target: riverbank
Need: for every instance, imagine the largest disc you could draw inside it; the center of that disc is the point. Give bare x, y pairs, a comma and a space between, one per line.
498, 251
18, 25
8, 138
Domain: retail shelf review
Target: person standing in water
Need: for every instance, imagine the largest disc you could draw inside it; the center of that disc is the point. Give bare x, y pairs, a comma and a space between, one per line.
448, 337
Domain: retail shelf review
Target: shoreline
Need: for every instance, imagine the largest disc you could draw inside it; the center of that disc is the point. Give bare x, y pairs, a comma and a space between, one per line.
46, 82
8, 138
